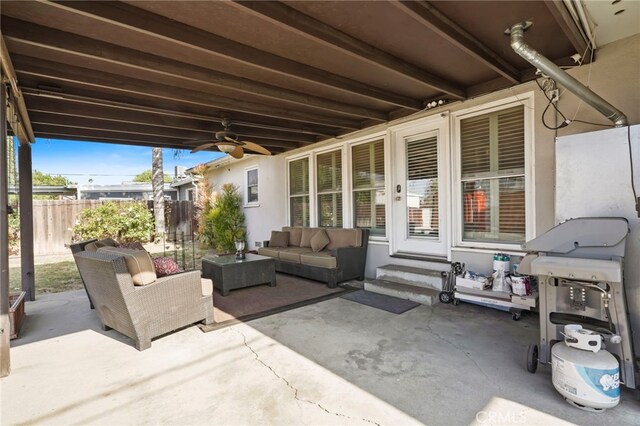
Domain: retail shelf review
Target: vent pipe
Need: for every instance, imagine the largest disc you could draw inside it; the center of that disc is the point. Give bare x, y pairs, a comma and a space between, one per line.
560, 76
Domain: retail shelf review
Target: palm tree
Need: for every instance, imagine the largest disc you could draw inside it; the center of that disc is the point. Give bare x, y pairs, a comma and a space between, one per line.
157, 183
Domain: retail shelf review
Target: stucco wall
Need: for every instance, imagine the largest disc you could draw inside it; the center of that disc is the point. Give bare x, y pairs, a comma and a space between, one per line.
614, 76
270, 213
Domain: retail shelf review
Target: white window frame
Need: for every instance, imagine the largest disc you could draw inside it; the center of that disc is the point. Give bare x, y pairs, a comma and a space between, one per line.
248, 203
312, 176
347, 197
528, 100
314, 183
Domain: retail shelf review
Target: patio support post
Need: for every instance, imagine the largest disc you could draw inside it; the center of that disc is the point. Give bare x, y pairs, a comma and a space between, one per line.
26, 221
5, 326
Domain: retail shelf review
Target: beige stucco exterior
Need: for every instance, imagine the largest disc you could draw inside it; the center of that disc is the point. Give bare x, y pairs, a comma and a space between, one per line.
615, 75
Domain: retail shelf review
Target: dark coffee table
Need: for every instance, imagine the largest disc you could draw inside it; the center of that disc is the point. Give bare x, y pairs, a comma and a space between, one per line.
227, 273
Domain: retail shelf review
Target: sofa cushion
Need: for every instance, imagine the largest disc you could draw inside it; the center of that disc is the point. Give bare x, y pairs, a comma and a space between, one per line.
319, 241
322, 259
295, 235
292, 254
344, 238
307, 234
269, 251
279, 239
139, 263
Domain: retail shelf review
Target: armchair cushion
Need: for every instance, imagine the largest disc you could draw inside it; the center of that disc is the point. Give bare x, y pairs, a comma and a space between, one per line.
279, 239
95, 245
134, 245
139, 263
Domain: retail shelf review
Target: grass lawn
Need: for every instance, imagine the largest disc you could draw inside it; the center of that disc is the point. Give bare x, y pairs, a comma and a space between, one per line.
50, 278
64, 276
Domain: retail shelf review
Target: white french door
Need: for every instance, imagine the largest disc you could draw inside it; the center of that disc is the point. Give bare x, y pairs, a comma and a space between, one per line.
420, 190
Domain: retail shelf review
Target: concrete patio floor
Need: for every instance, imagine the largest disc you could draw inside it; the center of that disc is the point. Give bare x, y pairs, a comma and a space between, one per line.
335, 362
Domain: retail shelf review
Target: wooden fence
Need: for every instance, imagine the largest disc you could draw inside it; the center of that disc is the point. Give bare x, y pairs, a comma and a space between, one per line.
53, 221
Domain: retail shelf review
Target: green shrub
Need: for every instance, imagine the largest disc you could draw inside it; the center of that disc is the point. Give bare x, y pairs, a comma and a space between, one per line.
14, 233
224, 223
124, 222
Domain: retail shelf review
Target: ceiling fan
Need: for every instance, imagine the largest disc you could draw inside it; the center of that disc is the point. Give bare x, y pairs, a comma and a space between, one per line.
227, 141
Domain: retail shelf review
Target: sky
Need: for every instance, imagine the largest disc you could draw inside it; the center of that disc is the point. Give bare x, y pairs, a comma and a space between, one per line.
104, 163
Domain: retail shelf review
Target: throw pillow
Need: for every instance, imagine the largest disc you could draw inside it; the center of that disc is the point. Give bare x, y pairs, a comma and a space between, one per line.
134, 245
279, 239
139, 264
319, 241
166, 266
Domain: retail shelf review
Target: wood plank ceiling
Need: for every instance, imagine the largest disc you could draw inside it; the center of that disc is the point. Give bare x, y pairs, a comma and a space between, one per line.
287, 74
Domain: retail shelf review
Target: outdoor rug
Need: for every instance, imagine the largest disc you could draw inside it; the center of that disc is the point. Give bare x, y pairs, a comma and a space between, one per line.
255, 302
381, 301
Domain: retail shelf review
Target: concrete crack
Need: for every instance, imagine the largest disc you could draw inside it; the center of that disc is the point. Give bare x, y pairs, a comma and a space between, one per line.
293, 388
428, 326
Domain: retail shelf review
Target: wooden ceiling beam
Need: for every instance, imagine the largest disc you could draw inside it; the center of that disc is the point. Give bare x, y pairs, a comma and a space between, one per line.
25, 133
124, 138
126, 17
24, 34
169, 124
165, 110
184, 138
430, 17
114, 83
569, 28
307, 26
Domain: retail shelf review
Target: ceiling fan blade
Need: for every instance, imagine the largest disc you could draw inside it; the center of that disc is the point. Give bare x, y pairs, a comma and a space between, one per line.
237, 153
202, 147
255, 147
227, 138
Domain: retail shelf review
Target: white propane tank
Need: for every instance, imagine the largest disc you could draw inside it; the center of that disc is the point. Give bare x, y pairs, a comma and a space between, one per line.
588, 378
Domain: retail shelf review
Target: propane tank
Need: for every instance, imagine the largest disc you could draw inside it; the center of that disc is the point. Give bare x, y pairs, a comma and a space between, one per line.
584, 373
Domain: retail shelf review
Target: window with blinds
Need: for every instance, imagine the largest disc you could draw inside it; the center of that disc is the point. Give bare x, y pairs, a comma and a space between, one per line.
329, 188
299, 192
367, 161
252, 186
492, 171
422, 187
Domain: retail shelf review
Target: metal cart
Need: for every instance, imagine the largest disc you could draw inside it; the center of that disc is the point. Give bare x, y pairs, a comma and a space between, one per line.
579, 265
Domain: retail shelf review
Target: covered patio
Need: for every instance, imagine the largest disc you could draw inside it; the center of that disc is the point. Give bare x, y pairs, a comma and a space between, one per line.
335, 362
300, 79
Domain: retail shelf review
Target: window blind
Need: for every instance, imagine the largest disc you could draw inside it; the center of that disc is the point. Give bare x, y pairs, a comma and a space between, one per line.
368, 186
492, 169
329, 188
422, 187
299, 192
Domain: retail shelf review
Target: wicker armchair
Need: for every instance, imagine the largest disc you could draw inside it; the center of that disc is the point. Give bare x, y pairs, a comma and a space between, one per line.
142, 312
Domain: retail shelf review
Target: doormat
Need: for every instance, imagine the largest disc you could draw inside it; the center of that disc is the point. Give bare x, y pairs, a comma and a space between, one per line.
247, 304
381, 301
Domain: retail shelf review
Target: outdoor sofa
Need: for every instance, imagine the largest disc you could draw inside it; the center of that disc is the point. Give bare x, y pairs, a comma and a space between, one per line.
330, 255
131, 299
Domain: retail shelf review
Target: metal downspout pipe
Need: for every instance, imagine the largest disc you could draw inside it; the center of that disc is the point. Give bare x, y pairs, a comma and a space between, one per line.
560, 76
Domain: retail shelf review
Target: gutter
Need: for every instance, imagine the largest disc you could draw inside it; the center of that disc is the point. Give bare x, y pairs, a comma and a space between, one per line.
552, 70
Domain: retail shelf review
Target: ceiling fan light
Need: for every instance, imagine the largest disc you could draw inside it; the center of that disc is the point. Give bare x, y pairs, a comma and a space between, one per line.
226, 147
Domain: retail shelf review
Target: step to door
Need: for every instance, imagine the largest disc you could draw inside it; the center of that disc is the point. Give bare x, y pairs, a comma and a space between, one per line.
419, 277
422, 295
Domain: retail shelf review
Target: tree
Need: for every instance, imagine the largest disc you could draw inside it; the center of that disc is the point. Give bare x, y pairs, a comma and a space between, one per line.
147, 175
158, 189
45, 179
